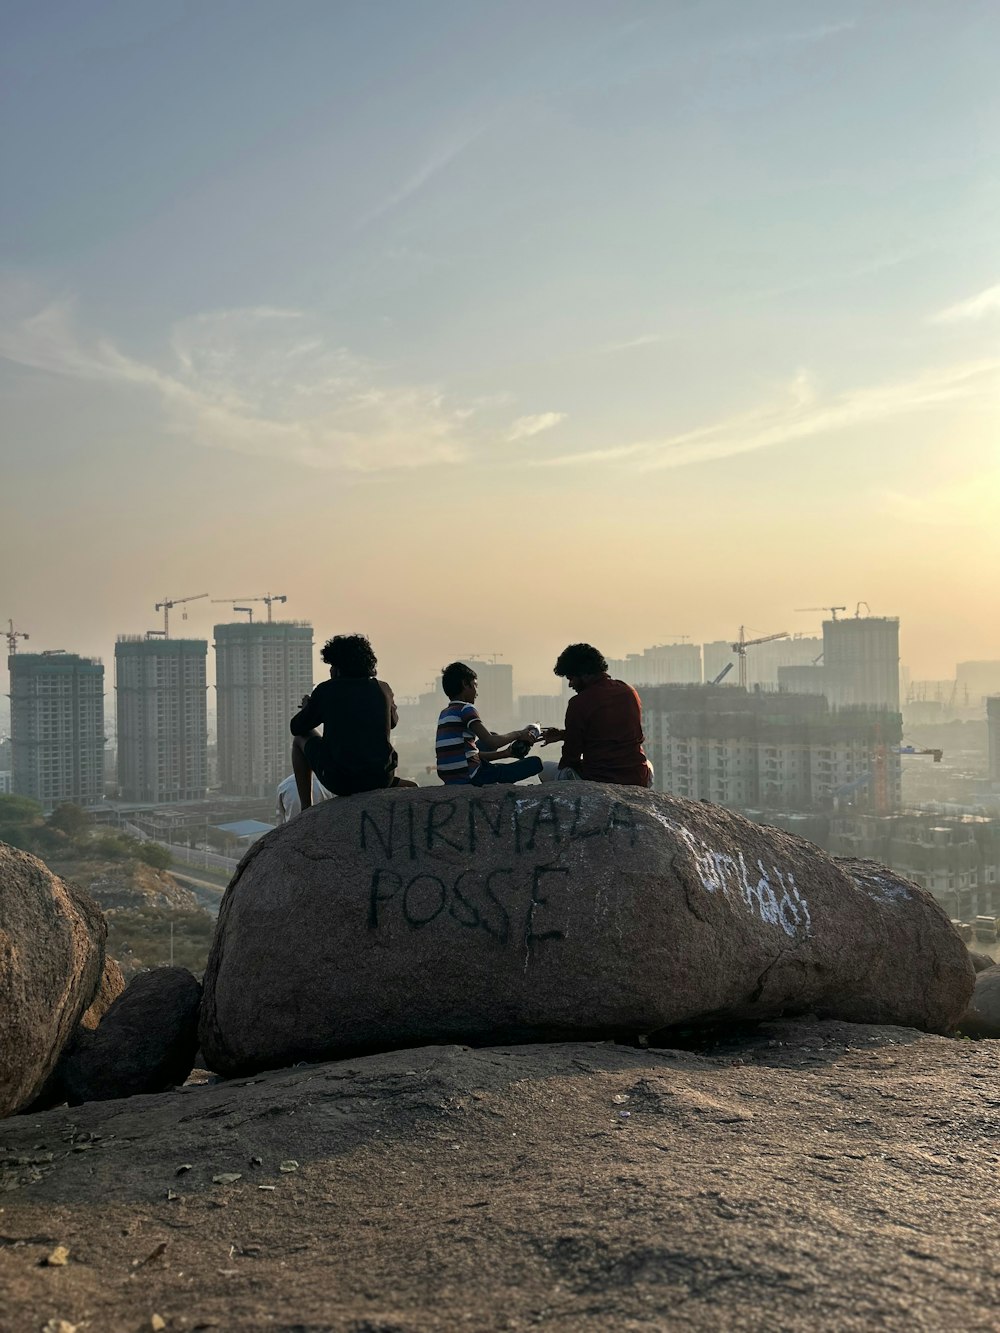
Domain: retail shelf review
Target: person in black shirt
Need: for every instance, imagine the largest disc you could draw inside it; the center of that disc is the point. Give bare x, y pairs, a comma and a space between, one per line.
357, 713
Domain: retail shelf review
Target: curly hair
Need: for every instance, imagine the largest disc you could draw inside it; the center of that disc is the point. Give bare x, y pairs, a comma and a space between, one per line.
351, 654
580, 659
455, 677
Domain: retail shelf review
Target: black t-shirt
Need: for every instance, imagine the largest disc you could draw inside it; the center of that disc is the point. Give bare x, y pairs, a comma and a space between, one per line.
355, 717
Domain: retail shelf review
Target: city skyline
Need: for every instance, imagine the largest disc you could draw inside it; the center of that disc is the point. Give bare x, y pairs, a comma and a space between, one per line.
680, 333
413, 684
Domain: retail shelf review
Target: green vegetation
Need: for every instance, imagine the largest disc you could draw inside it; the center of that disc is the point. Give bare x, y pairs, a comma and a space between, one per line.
140, 937
69, 834
67, 841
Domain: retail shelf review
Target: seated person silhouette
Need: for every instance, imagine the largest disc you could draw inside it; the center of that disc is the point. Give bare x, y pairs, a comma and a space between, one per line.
602, 739
357, 713
460, 730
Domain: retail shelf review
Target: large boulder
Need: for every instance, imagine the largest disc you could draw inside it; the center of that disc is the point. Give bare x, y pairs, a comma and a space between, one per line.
982, 1018
502, 915
146, 1042
51, 960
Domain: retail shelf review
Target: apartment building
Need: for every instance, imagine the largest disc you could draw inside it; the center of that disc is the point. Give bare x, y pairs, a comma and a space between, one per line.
770, 750
957, 858
262, 672
57, 728
162, 712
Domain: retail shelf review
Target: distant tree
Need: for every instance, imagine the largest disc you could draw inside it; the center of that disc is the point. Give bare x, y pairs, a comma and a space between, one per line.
17, 811
152, 854
71, 820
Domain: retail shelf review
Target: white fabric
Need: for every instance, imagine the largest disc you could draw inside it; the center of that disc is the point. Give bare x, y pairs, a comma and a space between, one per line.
288, 797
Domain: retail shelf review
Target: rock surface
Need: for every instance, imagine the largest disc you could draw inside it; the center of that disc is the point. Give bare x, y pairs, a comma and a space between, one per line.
146, 1042
811, 1177
51, 960
982, 1018
498, 915
981, 961
111, 985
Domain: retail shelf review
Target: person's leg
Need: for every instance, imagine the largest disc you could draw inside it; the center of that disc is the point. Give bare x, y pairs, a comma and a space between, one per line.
302, 770
550, 771
490, 775
402, 782
568, 775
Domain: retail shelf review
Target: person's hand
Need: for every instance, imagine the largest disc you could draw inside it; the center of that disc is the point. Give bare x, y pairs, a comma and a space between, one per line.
551, 734
305, 701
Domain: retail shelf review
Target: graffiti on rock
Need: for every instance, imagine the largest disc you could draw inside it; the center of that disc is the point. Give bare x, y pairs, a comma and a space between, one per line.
771, 893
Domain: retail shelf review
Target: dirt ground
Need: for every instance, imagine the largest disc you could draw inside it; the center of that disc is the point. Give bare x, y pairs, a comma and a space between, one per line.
803, 1176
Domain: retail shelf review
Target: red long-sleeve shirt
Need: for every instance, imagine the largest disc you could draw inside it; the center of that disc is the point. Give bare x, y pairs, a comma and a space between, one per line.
604, 734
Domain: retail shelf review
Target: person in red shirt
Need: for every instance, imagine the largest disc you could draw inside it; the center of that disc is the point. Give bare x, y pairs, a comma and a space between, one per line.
602, 739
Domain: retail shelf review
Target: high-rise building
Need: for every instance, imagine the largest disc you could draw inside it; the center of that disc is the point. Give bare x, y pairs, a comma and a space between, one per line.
993, 737
770, 750
57, 728
663, 664
861, 661
495, 699
162, 718
261, 673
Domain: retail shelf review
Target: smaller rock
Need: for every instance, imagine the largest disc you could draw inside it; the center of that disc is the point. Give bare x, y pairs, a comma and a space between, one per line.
59, 1326
146, 1042
982, 1018
157, 1323
227, 1178
290, 1165
58, 1258
981, 961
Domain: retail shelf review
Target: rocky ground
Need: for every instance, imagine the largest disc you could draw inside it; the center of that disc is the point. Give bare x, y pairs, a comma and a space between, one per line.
802, 1176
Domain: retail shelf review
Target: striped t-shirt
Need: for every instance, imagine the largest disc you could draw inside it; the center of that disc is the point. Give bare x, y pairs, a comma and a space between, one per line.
457, 751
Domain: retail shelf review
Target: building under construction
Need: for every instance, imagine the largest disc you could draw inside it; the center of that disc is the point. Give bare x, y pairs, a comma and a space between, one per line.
781, 751
57, 727
262, 671
162, 710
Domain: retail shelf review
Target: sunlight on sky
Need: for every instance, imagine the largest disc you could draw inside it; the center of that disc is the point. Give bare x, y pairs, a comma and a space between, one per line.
502, 326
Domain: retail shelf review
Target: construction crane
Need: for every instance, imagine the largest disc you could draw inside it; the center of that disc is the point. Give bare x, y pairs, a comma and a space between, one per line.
12, 637
165, 606
267, 597
743, 643
878, 774
832, 609
912, 749
722, 674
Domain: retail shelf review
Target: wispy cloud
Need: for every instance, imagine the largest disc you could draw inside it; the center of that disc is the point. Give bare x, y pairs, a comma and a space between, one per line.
643, 340
258, 381
437, 160
975, 307
798, 37
524, 427
798, 413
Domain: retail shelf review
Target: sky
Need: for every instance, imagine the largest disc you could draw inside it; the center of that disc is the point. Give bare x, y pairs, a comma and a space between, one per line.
488, 327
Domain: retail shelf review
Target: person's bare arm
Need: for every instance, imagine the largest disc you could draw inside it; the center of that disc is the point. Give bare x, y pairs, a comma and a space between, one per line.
393, 710
489, 755
496, 740
306, 719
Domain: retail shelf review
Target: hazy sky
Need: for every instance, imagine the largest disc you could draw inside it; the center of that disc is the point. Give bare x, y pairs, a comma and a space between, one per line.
492, 326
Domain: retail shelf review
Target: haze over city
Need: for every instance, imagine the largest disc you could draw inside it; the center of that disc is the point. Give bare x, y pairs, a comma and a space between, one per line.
489, 328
